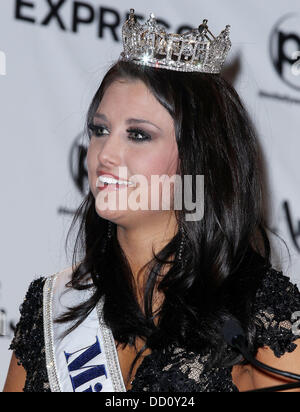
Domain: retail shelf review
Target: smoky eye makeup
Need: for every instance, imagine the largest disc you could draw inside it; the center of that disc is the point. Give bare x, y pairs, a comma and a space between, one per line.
96, 130
136, 134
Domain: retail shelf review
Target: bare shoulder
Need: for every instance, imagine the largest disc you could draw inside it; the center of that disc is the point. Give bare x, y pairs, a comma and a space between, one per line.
16, 377
24, 349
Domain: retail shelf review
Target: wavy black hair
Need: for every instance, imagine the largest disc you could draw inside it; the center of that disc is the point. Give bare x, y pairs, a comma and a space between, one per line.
225, 253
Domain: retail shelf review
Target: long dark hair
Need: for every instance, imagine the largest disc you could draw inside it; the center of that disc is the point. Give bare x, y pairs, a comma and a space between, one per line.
225, 253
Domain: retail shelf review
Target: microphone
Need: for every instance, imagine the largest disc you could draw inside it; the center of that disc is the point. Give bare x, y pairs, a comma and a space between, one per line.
234, 335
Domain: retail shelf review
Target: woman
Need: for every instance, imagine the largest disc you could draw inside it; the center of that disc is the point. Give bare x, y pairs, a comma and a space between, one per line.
162, 286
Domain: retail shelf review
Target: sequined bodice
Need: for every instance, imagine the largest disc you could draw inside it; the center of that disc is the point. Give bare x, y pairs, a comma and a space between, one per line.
173, 369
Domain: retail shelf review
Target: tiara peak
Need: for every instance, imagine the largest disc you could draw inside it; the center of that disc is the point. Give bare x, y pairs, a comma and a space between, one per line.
196, 50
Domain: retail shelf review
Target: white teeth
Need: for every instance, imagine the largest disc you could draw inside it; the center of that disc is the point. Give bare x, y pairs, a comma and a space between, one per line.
111, 180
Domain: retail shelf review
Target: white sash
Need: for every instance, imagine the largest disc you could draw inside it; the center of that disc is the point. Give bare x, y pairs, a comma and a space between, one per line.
86, 360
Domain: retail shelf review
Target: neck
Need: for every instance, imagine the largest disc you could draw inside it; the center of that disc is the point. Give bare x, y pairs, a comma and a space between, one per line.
137, 241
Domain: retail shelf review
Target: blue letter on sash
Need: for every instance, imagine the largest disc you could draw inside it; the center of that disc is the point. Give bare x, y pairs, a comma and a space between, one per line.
91, 372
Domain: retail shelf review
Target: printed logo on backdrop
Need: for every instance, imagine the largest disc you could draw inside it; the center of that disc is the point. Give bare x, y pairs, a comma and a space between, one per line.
74, 16
77, 169
2, 63
293, 225
7, 326
285, 49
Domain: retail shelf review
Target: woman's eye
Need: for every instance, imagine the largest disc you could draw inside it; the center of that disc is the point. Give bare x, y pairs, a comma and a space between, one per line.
97, 130
135, 134
138, 135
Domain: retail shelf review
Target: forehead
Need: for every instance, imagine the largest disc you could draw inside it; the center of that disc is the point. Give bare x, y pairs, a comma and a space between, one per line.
125, 98
129, 91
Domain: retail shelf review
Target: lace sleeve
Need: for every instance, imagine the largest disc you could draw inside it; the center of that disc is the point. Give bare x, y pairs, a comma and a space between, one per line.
26, 337
276, 301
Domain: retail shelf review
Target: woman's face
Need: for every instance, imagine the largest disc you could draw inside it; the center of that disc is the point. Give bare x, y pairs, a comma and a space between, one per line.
132, 133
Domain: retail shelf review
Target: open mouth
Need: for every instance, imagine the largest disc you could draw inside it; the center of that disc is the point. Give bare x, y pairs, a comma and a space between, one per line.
104, 182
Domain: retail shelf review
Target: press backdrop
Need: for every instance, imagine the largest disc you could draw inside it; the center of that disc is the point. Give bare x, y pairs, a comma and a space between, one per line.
53, 55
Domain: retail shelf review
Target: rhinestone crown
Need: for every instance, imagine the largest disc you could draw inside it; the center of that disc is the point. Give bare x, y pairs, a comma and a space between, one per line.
197, 50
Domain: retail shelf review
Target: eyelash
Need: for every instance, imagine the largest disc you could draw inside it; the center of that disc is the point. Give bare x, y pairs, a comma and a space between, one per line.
95, 130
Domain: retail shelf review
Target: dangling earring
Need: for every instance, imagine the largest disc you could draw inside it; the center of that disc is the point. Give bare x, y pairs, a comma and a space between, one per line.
182, 244
109, 230
107, 237
97, 277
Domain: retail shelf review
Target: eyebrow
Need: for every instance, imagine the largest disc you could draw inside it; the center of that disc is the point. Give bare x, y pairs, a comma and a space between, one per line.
128, 121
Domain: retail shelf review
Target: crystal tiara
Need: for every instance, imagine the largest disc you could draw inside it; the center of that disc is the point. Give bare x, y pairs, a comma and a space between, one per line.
197, 50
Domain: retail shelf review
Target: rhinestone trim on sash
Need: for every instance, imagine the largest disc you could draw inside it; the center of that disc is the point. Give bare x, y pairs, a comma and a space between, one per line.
110, 350
48, 334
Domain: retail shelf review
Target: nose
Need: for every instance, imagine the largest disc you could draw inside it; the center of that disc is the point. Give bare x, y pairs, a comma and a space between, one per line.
110, 153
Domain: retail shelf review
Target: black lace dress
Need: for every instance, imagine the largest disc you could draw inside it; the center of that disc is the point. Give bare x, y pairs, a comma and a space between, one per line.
174, 369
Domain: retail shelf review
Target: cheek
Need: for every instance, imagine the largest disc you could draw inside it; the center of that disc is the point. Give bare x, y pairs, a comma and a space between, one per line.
91, 157
91, 161
160, 162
